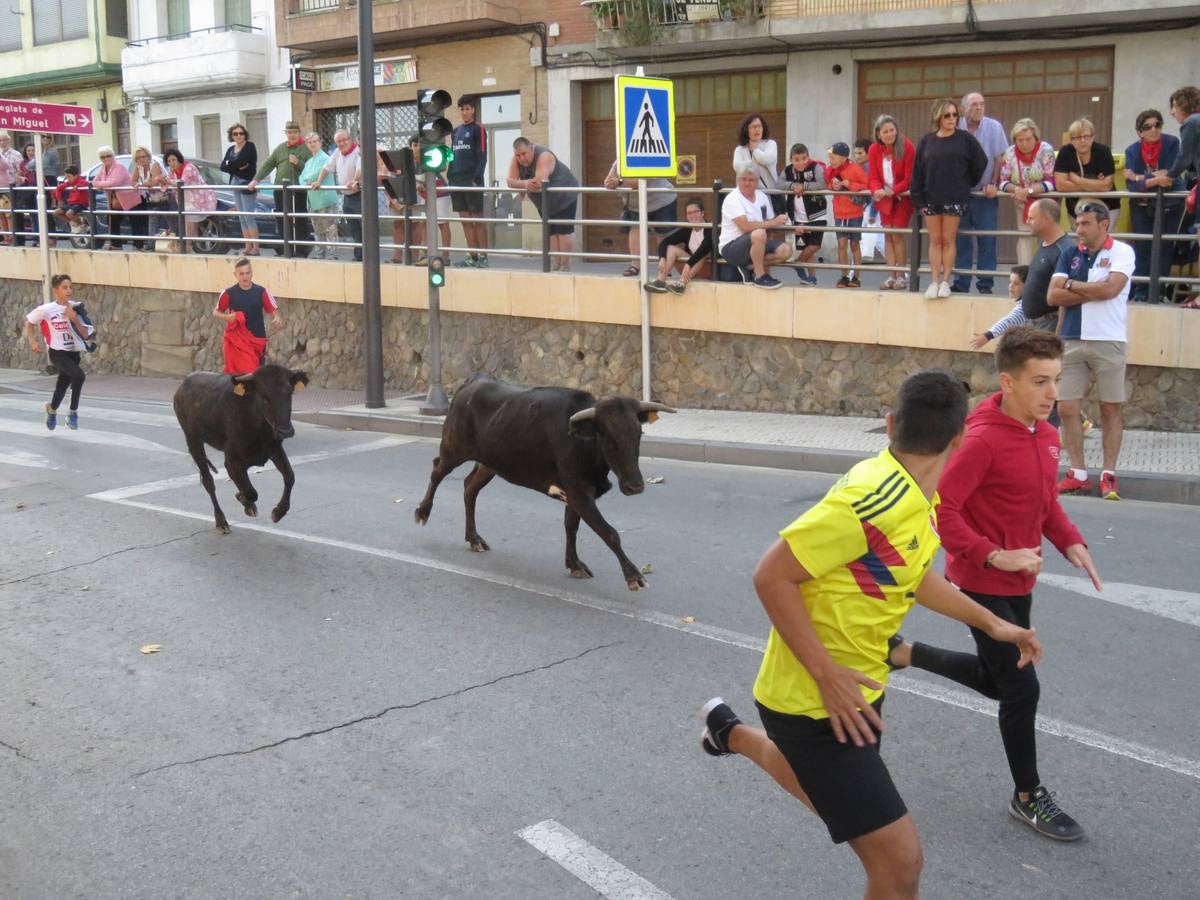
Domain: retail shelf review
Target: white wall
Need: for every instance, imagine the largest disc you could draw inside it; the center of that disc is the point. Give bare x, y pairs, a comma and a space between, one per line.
820, 105
1147, 68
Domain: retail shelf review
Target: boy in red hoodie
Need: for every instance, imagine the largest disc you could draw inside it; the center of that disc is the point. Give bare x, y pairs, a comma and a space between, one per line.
72, 197
846, 178
998, 500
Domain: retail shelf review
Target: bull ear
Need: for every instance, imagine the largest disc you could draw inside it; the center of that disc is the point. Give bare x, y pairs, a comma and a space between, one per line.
242, 382
649, 410
299, 380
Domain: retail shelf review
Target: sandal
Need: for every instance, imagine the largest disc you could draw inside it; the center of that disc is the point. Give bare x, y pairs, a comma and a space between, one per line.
632, 272
1193, 303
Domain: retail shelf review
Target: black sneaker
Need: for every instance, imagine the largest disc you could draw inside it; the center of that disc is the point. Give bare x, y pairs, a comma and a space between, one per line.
843, 282
747, 274
657, 286
768, 281
959, 289
1041, 813
893, 642
719, 719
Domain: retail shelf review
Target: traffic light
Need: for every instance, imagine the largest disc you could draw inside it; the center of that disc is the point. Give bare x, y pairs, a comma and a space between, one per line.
401, 187
437, 272
432, 129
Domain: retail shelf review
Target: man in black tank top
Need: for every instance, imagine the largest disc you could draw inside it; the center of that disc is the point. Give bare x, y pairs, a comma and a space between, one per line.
534, 167
250, 299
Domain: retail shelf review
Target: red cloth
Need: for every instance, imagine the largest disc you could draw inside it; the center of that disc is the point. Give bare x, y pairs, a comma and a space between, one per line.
843, 206
243, 351
1151, 150
894, 212
74, 190
998, 492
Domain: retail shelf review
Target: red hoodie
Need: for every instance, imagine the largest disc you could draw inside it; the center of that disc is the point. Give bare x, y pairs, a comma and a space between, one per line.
998, 492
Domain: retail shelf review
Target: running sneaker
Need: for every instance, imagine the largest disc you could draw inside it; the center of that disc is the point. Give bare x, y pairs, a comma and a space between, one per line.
944, 290
51, 417
1041, 813
931, 292
768, 281
719, 720
73, 420
676, 287
1072, 485
481, 261
810, 280
747, 274
843, 282
657, 286
1108, 486
467, 262
854, 282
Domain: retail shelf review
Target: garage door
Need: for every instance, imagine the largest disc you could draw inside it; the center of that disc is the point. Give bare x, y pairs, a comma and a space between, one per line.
1054, 88
708, 111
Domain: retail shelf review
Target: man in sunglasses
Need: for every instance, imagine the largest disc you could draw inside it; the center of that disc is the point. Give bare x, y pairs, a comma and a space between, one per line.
1092, 283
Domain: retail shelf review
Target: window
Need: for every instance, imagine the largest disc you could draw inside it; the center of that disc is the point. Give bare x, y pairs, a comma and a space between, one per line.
124, 140
177, 17
209, 130
10, 28
168, 136
59, 20
116, 15
237, 12
395, 123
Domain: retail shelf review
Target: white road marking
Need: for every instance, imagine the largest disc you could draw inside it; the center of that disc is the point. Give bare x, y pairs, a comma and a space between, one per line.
1079, 734
94, 413
85, 435
1182, 606
116, 495
10, 456
589, 864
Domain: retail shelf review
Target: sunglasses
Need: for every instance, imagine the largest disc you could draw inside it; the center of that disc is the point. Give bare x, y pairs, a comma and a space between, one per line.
950, 115
1150, 126
106, 156
236, 133
1099, 209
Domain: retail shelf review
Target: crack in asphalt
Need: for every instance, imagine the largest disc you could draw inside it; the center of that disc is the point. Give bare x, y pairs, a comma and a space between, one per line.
381, 713
17, 750
90, 562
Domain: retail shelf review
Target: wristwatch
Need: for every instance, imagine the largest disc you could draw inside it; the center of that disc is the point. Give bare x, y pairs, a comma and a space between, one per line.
1070, 281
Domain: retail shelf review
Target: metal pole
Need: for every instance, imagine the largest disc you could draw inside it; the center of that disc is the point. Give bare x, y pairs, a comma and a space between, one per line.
643, 239
368, 195
43, 230
715, 229
914, 253
181, 220
545, 230
436, 403
1152, 294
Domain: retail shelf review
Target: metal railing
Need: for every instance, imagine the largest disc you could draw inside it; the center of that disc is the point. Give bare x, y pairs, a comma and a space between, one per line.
216, 29
291, 232
617, 15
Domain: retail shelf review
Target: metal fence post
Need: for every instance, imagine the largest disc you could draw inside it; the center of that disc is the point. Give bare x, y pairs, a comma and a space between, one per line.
914, 253
407, 236
715, 228
1152, 294
91, 218
545, 229
285, 224
181, 223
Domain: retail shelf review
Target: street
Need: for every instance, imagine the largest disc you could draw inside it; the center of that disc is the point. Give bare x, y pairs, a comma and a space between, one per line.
346, 704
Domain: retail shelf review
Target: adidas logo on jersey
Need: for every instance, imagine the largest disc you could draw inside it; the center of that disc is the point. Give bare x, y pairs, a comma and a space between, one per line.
912, 545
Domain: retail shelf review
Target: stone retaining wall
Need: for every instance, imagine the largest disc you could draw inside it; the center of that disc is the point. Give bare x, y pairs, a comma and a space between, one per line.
147, 331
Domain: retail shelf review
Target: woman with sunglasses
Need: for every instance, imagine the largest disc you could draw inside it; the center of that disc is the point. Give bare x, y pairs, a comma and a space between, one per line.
949, 162
1185, 109
240, 163
1147, 164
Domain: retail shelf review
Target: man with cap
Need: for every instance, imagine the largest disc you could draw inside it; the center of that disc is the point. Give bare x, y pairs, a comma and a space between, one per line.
287, 162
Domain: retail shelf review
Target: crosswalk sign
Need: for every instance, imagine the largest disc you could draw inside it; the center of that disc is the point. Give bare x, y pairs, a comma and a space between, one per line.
645, 114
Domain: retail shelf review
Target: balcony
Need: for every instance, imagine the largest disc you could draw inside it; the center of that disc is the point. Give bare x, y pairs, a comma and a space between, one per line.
624, 27
230, 57
332, 25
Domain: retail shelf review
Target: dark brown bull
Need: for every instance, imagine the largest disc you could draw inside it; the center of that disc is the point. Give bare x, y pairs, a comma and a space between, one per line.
556, 441
247, 417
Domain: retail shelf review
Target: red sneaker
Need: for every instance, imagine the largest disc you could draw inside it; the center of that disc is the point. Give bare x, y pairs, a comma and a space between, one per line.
1072, 485
1108, 487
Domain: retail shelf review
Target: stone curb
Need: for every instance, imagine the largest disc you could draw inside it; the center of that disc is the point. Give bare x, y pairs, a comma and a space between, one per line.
1148, 486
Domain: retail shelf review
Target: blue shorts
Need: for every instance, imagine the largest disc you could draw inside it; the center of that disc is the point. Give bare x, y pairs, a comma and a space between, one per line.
848, 223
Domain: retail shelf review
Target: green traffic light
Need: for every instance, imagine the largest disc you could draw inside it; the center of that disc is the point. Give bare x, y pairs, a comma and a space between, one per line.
436, 158
437, 279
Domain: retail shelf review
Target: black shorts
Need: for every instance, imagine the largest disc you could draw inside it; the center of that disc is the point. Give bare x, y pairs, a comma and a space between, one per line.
849, 786
567, 212
810, 238
471, 201
666, 213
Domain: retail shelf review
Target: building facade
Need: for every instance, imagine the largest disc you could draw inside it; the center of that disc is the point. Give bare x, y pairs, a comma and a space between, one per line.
192, 69
66, 51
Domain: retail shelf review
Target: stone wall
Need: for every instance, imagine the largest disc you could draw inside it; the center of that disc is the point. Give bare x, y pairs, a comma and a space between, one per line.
144, 331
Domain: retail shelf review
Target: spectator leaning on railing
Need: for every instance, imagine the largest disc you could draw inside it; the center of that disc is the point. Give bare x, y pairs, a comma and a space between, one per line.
346, 165
745, 221
889, 171
534, 167
240, 163
847, 179
660, 207
321, 202
287, 162
10, 174
1146, 163
1185, 109
981, 213
197, 202
805, 177
1084, 165
122, 197
1026, 171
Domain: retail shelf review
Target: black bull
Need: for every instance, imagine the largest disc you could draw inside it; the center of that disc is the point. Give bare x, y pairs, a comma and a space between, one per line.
556, 441
247, 417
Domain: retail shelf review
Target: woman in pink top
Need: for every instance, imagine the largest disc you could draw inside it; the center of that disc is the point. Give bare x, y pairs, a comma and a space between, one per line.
1026, 172
122, 198
195, 199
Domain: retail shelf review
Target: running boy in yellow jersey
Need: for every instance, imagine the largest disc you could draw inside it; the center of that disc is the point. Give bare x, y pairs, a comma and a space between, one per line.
836, 586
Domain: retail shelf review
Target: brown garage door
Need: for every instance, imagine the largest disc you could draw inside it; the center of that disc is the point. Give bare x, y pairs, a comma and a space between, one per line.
708, 111
1053, 88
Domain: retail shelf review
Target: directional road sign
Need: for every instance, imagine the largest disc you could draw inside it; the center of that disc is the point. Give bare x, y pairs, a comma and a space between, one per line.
645, 126
47, 118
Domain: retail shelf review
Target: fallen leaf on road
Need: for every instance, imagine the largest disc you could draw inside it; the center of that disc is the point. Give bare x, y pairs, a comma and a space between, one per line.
20, 504
655, 479
688, 620
151, 648
86, 587
647, 569
398, 500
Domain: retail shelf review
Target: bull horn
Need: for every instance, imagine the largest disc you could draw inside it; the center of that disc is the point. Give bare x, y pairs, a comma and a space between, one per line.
584, 415
243, 379
651, 406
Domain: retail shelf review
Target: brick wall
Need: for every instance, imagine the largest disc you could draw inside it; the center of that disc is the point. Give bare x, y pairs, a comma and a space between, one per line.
575, 22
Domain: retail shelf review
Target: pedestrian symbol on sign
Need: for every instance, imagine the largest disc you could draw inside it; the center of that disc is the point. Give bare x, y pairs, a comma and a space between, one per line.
647, 138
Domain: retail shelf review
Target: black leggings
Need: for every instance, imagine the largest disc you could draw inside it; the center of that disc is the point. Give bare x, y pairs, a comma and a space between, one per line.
69, 374
993, 672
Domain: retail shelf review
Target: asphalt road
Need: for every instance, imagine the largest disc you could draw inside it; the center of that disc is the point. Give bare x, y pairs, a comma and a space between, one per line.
349, 705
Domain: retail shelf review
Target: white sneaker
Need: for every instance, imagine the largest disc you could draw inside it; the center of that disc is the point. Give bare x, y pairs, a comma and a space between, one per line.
931, 292
944, 290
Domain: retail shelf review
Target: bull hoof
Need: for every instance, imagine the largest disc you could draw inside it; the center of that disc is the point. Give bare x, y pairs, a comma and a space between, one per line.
222, 528
579, 570
636, 583
251, 510
557, 493
278, 513
478, 545
421, 515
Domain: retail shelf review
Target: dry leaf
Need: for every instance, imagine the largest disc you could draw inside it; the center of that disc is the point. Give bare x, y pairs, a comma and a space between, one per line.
688, 620
398, 500
86, 587
151, 648
655, 479
647, 569
20, 504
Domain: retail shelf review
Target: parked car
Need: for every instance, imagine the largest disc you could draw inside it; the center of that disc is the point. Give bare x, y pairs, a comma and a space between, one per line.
212, 227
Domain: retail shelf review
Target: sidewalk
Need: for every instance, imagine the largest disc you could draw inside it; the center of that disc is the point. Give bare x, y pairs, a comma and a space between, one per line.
1156, 466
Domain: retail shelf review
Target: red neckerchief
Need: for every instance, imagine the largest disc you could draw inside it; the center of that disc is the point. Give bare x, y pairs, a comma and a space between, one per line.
353, 147
1024, 160
1108, 243
295, 143
1150, 157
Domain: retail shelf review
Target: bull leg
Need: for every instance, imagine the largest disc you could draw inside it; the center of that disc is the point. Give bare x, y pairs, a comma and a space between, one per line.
443, 465
475, 482
196, 449
574, 563
279, 457
589, 512
246, 495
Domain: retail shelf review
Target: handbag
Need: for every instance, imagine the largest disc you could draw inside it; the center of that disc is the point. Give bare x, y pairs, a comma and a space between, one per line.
166, 242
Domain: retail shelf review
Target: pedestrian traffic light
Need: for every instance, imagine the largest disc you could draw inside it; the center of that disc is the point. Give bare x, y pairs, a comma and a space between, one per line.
401, 184
432, 129
437, 272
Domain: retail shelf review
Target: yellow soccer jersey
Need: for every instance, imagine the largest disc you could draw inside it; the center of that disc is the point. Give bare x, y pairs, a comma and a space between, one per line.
867, 545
